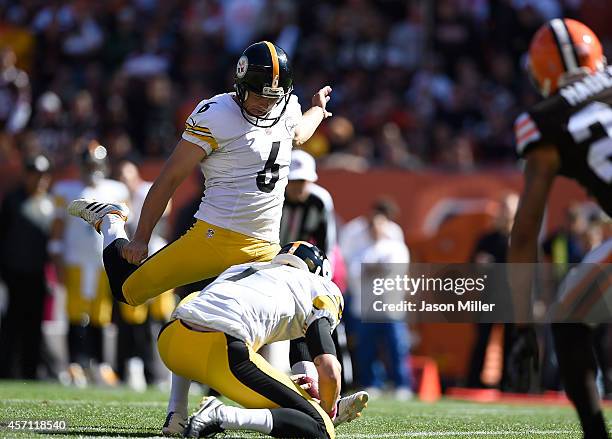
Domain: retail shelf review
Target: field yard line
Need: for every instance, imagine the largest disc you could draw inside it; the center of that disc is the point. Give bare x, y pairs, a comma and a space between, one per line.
85, 401
457, 433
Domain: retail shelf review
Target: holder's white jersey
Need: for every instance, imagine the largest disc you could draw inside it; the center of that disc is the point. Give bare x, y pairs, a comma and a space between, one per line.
246, 166
82, 244
262, 302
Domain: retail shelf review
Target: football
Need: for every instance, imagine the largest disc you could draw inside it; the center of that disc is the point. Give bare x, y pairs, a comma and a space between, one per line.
310, 385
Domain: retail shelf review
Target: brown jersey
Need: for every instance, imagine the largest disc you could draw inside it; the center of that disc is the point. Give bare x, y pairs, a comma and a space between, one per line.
578, 122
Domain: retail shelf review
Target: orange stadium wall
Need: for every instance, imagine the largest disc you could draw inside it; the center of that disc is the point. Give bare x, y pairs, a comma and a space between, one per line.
441, 213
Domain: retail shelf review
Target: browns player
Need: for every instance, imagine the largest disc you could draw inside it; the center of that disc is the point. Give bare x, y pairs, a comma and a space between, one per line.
569, 133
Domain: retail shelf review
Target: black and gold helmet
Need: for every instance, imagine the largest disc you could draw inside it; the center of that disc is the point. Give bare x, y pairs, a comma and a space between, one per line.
264, 69
306, 256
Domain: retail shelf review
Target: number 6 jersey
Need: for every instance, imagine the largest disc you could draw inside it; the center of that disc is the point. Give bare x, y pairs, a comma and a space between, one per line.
578, 122
246, 166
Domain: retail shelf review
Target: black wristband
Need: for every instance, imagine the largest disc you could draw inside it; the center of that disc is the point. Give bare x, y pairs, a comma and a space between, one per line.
298, 351
319, 339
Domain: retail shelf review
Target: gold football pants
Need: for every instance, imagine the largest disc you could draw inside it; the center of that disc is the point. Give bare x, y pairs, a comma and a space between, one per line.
160, 308
204, 251
96, 310
232, 368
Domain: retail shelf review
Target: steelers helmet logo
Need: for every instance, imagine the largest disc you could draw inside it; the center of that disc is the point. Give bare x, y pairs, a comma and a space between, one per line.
242, 66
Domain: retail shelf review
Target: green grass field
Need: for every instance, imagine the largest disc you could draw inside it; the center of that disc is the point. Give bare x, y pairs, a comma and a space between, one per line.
122, 413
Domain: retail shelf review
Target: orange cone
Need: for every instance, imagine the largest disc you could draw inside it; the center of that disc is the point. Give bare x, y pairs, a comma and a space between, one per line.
491, 374
430, 389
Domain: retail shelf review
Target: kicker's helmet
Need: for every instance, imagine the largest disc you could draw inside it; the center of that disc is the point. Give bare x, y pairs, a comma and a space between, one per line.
263, 69
563, 50
305, 256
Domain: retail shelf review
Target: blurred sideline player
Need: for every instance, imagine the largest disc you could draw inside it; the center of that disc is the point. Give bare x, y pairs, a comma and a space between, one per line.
134, 338
242, 141
218, 331
76, 251
308, 211
309, 215
26, 214
355, 234
385, 343
569, 133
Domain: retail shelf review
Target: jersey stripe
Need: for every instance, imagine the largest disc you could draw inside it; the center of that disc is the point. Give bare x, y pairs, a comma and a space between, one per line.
329, 304
201, 133
199, 130
528, 134
191, 124
340, 304
522, 123
526, 131
208, 139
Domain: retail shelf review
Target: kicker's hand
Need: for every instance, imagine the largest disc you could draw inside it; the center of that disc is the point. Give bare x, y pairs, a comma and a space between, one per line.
135, 251
321, 98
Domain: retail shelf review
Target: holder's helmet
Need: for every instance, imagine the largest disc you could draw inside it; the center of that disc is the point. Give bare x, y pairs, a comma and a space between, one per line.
305, 256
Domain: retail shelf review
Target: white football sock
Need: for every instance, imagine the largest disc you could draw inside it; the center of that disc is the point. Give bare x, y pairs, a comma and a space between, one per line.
236, 418
112, 227
179, 394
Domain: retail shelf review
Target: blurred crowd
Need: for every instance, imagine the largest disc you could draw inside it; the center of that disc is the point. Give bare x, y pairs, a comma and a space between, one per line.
416, 83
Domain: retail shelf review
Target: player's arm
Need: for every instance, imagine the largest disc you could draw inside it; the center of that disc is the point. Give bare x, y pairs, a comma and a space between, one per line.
541, 168
311, 119
184, 158
299, 357
322, 349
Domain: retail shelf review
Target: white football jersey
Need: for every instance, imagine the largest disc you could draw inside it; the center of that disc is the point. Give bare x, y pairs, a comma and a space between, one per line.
246, 166
262, 302
82, 244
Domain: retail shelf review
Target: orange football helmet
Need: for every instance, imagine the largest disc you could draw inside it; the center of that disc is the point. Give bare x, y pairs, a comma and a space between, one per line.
560, 51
